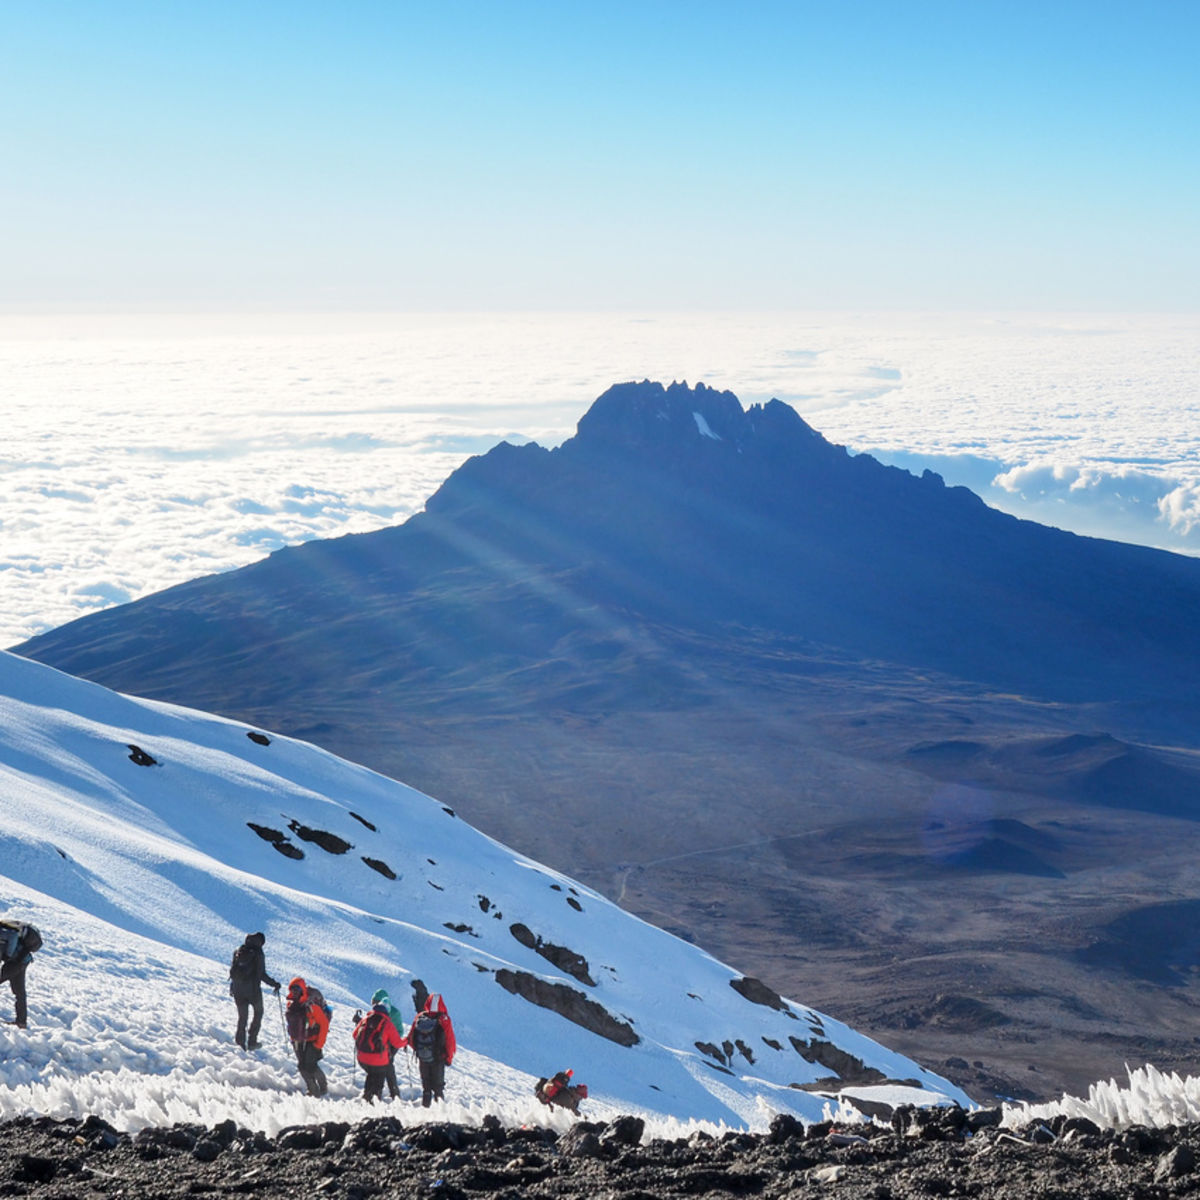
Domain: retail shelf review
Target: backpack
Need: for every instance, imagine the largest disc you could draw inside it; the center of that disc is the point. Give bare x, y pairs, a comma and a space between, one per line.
559, 1089
319, 1014
241, 969
424, 1036
368, 1037
19, 941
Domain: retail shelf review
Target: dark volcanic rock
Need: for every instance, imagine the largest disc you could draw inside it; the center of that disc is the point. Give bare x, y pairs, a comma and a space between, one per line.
757, 992
938, 1156
569, 1003
377, 864
329, 842
139, 756
570, 961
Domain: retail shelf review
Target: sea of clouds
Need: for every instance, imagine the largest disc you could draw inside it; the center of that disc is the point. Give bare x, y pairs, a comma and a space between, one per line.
139, 452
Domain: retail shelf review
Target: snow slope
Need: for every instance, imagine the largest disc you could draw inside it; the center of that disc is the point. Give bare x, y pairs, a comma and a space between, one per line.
144, 878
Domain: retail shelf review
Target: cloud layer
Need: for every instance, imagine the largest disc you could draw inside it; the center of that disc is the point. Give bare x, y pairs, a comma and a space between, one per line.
141, 452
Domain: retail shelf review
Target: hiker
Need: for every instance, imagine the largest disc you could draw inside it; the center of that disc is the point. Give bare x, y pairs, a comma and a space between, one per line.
381, 997
376, 1040
559, 1091
247, 974
432, 1040
18, 944
307, 1027
420, 996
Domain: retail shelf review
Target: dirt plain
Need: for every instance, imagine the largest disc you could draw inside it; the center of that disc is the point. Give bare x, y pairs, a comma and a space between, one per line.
972, 918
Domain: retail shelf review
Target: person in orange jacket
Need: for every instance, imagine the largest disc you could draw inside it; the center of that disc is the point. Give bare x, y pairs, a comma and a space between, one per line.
376, 1039
307, 1027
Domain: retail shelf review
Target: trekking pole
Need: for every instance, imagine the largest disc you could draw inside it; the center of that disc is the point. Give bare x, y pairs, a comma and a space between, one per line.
354, 1053
282, 1018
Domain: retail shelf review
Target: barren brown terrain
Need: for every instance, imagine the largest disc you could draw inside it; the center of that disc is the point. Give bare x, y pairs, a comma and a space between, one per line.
797, 836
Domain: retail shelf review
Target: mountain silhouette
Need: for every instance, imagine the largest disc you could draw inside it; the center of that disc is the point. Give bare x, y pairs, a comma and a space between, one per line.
780, 699
671, 507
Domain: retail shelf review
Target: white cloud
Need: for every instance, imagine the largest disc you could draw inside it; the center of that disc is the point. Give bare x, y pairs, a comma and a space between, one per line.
141, 452
1180, 508
1121, 485
1108, 500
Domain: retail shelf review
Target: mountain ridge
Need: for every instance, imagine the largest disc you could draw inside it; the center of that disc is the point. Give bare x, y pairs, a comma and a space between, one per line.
763, 523
613, 658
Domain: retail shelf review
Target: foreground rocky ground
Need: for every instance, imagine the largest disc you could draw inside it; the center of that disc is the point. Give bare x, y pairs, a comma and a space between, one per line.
924, 1153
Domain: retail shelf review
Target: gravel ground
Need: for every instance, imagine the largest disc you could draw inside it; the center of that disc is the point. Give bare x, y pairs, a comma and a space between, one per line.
923, 1154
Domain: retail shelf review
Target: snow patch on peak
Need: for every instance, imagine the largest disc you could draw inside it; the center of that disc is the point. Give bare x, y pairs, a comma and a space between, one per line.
703, 426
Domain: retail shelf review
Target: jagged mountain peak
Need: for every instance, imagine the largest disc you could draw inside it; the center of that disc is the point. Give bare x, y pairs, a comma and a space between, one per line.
648, 446
647, 413
648, 416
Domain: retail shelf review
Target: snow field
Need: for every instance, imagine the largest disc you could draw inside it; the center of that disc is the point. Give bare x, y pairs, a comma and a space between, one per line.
141, 1035
156, 876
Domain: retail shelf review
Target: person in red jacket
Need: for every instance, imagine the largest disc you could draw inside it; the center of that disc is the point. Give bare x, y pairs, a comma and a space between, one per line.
376, 1039
432, 1040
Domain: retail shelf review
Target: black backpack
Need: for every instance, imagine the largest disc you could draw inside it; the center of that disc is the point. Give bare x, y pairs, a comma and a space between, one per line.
424, 1037
18, 942
368, 1037
241, 969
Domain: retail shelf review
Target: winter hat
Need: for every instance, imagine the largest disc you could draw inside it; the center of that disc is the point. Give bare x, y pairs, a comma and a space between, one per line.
380, 997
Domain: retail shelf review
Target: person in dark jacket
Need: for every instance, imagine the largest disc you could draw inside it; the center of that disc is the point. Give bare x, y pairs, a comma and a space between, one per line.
15, 957
420, 996
376, 1040
247, 974
559, 1091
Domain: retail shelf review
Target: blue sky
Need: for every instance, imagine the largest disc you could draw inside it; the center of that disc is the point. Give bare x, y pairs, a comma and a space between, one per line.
500, 155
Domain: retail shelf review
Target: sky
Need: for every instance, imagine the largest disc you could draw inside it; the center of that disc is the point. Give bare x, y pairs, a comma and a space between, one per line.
625, 155
271, 271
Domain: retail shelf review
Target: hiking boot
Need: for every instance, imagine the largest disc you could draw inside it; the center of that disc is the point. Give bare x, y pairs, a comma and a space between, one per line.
254, 1046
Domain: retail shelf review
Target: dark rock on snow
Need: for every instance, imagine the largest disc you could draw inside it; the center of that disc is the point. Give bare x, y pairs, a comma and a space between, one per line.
569, 1003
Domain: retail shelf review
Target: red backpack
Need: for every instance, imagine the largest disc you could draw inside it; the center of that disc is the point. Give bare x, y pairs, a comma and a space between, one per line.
368, 1035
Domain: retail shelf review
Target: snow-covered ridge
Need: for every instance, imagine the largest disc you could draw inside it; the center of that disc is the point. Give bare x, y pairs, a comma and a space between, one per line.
143, 878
